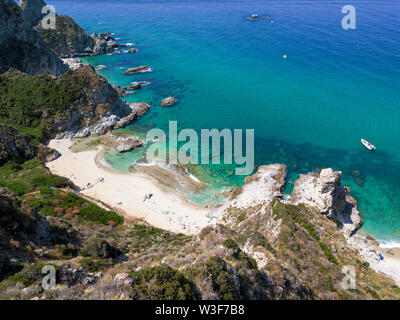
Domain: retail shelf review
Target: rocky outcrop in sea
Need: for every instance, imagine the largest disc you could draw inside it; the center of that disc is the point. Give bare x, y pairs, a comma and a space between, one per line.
167, 102
104, 110
137, 70
324, 192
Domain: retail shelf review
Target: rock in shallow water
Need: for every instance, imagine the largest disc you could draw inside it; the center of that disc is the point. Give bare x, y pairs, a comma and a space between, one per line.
168, 102
137, 70
129, 145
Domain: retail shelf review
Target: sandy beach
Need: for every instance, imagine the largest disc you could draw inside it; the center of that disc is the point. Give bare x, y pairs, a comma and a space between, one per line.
127, 193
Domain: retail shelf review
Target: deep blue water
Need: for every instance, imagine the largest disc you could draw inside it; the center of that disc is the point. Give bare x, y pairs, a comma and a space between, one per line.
308, 111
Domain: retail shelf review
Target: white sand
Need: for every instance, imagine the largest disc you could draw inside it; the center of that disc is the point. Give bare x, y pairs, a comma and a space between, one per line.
369, 250
125, 192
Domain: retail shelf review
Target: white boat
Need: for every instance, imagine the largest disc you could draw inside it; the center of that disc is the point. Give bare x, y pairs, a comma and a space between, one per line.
368, 145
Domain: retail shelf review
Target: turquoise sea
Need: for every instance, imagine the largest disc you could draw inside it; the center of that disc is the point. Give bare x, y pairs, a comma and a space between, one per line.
309, 111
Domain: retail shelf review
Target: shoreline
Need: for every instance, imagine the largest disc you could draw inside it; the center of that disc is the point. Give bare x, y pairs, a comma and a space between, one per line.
127, 192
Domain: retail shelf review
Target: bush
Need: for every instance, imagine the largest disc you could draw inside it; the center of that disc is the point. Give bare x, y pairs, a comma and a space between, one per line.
328, 252
230, 244
214, 273
100, 248
161, 283
99, 215
24, 99
28, 276
91, 265
22, 178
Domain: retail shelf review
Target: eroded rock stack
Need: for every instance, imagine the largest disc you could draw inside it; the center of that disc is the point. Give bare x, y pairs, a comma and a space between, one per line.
325, 193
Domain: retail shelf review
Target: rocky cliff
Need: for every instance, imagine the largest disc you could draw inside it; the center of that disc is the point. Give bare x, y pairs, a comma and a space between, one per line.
32, 11
77, 103
324, 192
68, 39
21, 47
19, 225
13, 146
260, 247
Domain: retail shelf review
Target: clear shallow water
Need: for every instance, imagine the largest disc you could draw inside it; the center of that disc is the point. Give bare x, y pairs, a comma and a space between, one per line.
308, 111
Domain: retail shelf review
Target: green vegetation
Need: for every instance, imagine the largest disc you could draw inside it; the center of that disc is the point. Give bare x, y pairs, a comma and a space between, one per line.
28, 276
291, 213
62, 39
161, 283
328, 252
51, 202
32, 103
145, 236
99, 248
241, 217
230, 244
97, 265
28, 176
215, 272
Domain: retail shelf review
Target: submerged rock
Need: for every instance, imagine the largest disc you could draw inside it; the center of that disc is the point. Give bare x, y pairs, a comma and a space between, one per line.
168, 101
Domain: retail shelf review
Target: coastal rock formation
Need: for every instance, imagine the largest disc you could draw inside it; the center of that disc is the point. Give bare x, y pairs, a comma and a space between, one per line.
21, 225
133, 50
21, 47
46, 154
103, 103
167, 102
261, 187
138, 109
78, 103
32, 11
104, 42
137, 70
254, 17
13, 146
129, 144
325, 193
68, 39
121, 92
136, 85
73, 63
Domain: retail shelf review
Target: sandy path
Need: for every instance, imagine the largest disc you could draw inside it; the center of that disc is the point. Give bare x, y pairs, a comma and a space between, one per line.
126, 192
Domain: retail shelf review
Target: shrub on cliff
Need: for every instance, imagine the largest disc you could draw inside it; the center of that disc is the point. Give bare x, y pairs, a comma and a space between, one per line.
214, 280
29, 176
100, 248
161, 283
